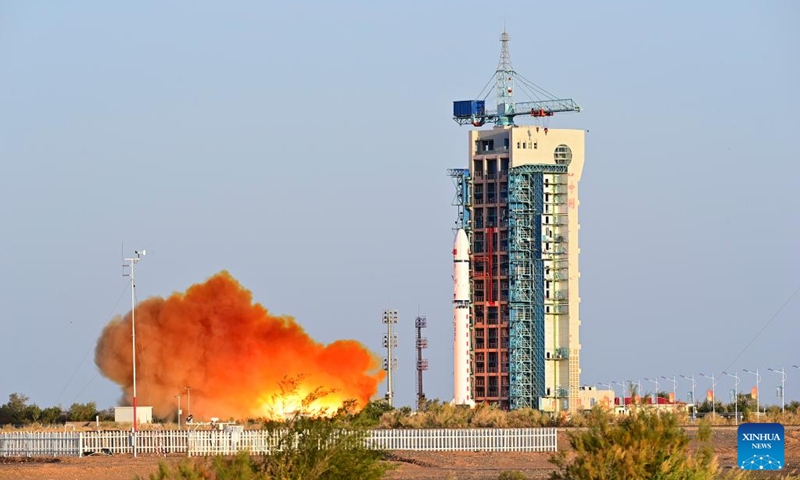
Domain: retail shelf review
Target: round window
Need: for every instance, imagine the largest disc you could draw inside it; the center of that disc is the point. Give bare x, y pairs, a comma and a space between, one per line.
563, 155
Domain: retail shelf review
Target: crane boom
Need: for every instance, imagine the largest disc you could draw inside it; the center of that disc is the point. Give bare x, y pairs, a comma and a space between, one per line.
466, 112
479, 116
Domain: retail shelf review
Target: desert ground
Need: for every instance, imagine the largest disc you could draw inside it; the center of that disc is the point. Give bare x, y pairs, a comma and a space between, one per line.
409, 465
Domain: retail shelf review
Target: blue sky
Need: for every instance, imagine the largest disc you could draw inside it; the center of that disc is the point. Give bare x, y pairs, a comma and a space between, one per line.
303, 146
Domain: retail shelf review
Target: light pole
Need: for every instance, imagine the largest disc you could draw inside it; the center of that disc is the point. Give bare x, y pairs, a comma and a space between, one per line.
674, 387
782, 371
638, 388
713, 392
736, 395
179, 411
622, 400
655, 396
613, 393
188, 400
389, 363
130, 264
694, 384
758, 390
606, 385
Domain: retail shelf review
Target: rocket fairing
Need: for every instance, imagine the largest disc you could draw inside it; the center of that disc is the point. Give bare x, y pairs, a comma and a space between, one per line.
461, 344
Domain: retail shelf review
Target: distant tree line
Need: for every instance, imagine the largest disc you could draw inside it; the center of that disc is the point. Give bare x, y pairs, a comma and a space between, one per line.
19, 412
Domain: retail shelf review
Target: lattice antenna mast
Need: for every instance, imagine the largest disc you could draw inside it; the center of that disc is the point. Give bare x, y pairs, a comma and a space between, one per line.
504, 84
544, 104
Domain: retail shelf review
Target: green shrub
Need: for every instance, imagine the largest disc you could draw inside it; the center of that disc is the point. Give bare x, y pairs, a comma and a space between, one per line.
512, 475
644, 445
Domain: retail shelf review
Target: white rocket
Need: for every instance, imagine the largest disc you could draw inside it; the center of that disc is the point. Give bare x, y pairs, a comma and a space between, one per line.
461, 343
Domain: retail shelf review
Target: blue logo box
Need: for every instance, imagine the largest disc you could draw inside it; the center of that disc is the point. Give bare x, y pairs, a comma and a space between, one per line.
761, 446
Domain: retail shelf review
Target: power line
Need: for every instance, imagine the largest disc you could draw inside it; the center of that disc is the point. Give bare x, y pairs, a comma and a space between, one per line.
773, 317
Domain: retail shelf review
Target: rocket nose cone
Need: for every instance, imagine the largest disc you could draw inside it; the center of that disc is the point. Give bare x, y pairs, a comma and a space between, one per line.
461, 245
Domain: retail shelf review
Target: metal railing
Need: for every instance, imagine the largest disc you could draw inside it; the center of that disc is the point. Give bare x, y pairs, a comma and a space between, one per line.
215, 442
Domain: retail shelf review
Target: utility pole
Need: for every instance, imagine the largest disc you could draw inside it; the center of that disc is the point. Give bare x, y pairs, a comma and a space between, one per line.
390, 343
422, 363
130, 264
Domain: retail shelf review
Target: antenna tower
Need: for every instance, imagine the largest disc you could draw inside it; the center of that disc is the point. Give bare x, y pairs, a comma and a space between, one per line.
422, 363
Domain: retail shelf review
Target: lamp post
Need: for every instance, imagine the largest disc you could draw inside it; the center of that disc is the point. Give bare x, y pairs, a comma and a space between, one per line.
758, 390
713, 392
736, 395
674, 387
606, 385
782, 371
638, 390
179, 411
613, 393
188, 400
130, 264
694, 384
655, 396
389, 364
622, 401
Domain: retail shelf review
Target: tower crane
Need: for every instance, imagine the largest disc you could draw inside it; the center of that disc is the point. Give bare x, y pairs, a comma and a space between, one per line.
466, 112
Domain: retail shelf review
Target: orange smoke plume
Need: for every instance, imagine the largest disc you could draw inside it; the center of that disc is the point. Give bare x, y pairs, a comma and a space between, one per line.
232, 354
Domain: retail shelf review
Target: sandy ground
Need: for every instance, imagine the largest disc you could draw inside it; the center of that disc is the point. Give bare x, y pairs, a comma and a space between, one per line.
409, 465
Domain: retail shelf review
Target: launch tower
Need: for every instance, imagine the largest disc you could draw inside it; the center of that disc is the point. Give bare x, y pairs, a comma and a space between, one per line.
518, 207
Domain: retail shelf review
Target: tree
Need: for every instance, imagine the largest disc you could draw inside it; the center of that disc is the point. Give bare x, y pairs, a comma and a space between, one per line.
52, 415
106, 415
14, 411
82, 412
309, 445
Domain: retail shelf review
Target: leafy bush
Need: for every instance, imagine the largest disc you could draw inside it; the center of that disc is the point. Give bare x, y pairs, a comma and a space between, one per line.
644, 445
436, 414
512, 475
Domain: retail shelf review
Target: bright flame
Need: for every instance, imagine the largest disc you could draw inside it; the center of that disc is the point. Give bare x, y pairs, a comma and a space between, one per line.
233, 355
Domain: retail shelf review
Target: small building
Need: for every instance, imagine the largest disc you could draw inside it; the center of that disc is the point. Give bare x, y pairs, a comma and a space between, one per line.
144, 414
650, 402
588, 397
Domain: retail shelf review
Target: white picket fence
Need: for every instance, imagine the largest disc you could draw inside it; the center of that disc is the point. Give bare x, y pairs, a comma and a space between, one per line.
467, 439
215, 442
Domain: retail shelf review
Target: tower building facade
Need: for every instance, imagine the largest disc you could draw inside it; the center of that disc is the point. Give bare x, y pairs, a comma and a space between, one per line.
524, 266
519, 205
